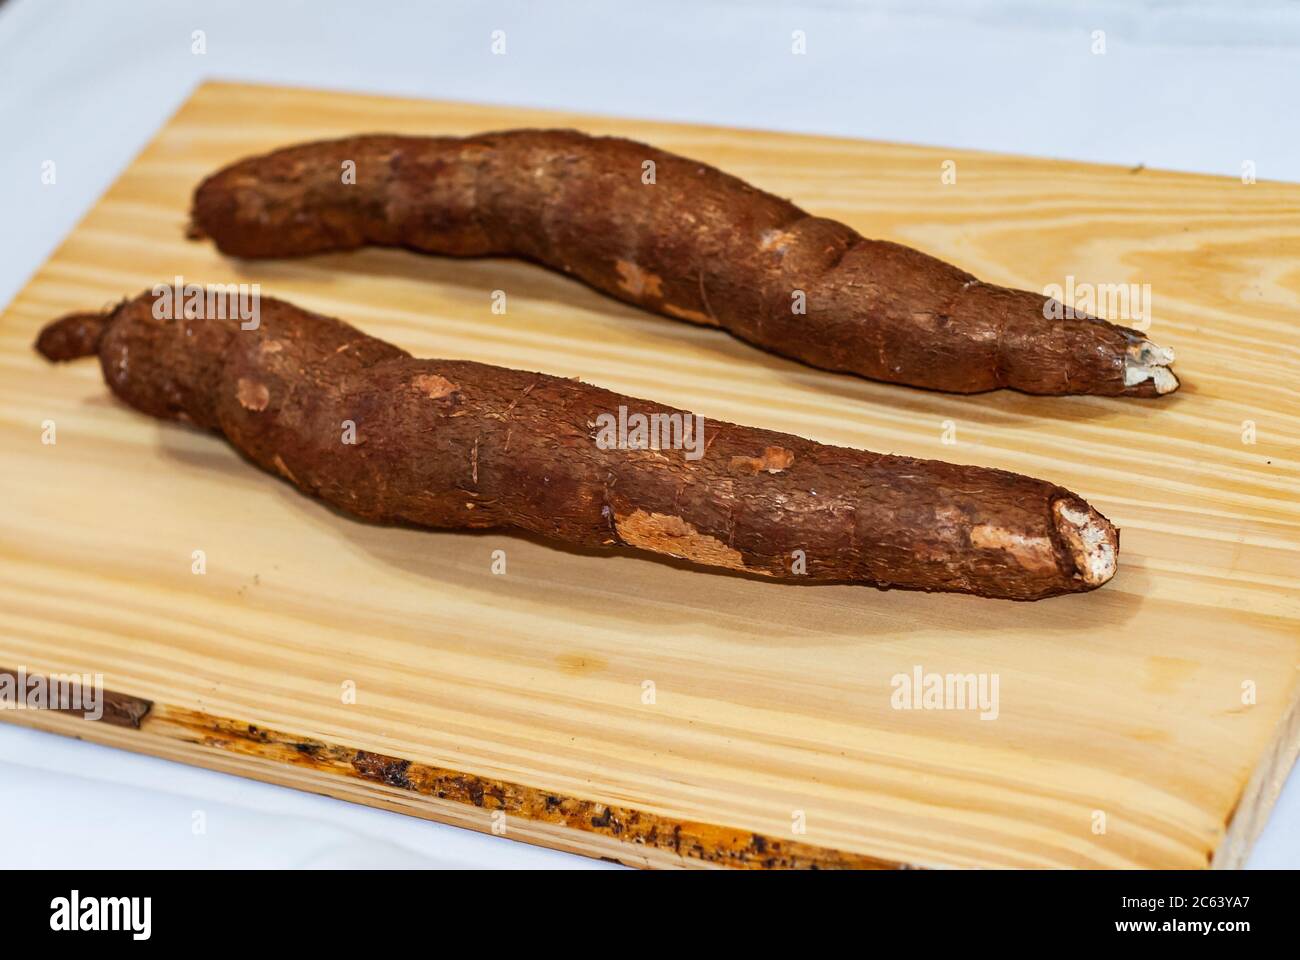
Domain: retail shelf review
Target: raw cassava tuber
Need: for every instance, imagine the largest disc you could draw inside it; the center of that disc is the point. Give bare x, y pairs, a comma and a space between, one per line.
461, 445
688, 241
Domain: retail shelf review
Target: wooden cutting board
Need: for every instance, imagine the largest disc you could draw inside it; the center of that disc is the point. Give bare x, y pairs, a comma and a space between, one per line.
641, 710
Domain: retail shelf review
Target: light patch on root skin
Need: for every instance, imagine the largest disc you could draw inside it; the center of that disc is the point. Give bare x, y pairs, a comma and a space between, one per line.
1091, 539
665, 533
252, 395
694, 316
284, 470
1032, 553
777, 240
433, 386
637, 282
1145, 361
773, 460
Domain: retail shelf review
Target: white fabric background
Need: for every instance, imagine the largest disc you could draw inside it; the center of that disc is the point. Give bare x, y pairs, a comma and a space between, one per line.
1187, 86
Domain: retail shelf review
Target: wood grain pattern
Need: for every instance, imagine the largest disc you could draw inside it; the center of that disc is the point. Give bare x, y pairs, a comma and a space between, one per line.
772, 703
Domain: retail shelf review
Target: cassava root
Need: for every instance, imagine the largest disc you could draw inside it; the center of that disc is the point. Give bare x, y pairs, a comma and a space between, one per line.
695, 244
461, 445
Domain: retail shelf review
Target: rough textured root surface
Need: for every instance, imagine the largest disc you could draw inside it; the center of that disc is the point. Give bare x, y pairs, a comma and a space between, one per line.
454, 444
696, 244
73, 336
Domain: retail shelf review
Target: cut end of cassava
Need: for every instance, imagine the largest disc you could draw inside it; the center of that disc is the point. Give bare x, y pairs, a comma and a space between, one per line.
1091, 539
1145, 361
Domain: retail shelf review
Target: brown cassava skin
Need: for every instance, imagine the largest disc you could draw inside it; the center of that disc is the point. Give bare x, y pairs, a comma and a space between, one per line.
461, 445
697, 244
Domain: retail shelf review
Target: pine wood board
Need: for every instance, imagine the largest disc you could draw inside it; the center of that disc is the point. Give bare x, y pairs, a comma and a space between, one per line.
518, 699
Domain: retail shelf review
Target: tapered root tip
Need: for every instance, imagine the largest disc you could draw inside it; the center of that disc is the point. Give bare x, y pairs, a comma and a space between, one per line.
1093, 542
1145, 361
73, 336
